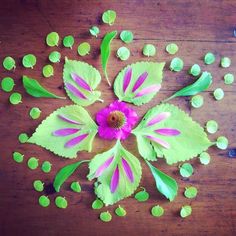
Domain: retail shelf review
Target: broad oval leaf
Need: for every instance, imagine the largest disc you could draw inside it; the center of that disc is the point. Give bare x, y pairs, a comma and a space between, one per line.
165, 184
118, 174
64, 173
66, 131
144, 82
35, 89
166, 131
76, 75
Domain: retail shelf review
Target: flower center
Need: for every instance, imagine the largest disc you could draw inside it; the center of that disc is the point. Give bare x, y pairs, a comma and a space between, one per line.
116, 119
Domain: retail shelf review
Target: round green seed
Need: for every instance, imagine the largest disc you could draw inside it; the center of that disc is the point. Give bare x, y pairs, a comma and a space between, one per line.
94, 30
33, 163
29, 61
157, 211
35, 113
172, 48
52, 39
54, 57
46, 167
126, 36
211, 126
18, 157
123, 53
209, 58
97, 204
197, 101
105, 216
186, 170
23, 138
48, 71
185, 211
195, 70
75, 186
38, 185
204, 158
149, 50
84, 49
228, 78
142, 196
15, 98
222, 142
44, 201
68, 41
218, 94
176, 64
61, 202
120, 211
190, 192
225, 62
7, 84
9, 63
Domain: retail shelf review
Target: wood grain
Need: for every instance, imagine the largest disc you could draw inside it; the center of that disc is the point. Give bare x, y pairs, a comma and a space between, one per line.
197, 27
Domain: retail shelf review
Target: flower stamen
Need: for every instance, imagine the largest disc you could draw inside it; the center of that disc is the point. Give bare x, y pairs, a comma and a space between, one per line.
116, 119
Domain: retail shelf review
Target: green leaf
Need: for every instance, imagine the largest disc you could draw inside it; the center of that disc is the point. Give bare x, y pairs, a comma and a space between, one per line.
94, 30
176, 64
29, 61
52, 39
123, 53
185, 211
9, 63
68, 41
153, 71
48, 71
7, 84
186, 170
116, 157
54, 57
71, 117
64, 173
36, 90
88, 74
198, 86
15, 98
106, 51
218, 94
165, 184
190, 192
126, 36
84, 49
191, 135
149, 50
109, 17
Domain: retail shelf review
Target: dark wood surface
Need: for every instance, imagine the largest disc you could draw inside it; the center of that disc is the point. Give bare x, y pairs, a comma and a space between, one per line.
197, 27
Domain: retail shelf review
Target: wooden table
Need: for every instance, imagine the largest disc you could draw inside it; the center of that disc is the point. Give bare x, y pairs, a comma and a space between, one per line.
197, 27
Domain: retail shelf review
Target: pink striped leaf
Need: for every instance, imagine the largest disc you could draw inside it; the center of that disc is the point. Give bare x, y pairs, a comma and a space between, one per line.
81, 82
66, 119
127, 78
128, 170
168, 132
103, 167
140, 81
65, 132
158, 118
115, 179
74, 90
148, 90
74, 141
159, 141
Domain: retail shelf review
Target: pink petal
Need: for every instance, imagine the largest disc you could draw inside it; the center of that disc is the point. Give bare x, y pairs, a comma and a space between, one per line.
140, 81
74, 90
148, 90
168, 132
127, 78
160, 117
128, 171
161, 142
81, 82
65, 132
74, 141
62, 117
115, 180
103, 167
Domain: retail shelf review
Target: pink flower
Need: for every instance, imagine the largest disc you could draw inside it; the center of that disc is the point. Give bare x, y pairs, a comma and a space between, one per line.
116, 121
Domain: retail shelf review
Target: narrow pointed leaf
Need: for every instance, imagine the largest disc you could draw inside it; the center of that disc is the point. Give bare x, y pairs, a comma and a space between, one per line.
64, 173
103, 167
74, 91
165, 184
127, 78
198, 86
168, 132
127, 169
115, 179
148, 90
160, 117
75, 141
81, 82
66, 119
105, 51
159, 141
140, 81
35, 89
65, 131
